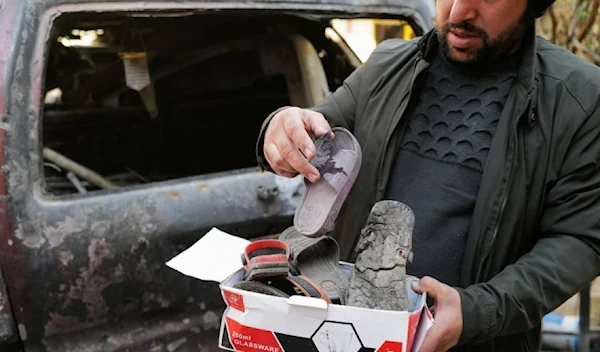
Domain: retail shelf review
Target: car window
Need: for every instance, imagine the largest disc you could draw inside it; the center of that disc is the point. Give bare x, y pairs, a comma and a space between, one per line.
131, 101
362, 35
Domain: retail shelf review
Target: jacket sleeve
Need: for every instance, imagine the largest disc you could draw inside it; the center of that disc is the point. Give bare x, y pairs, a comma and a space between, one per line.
339, 108
563, 261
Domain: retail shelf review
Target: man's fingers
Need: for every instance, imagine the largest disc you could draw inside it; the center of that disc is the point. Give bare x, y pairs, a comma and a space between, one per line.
447, 328
444, 333
296, 130
429, 285
288, 145
312, 122
285, 157
431, 341
297, 148
315, 122
287, 174
277, 162
298, 162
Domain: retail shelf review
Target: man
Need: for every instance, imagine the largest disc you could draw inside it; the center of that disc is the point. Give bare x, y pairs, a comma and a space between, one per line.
492, 137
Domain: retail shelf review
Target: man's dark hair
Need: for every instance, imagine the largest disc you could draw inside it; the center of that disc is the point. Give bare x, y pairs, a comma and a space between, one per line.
540, 6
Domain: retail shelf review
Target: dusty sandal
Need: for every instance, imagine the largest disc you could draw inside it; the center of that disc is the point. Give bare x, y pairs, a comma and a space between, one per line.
379, 279
338, 160
260, 287
266, 259
318, 259
285, 287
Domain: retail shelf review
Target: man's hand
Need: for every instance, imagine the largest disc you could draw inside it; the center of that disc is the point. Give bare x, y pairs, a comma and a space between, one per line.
288, 146
448, 325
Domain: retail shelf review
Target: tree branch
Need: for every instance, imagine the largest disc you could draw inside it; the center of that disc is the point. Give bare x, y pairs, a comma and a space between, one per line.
573, 26
594, 56
591, 18
554, 23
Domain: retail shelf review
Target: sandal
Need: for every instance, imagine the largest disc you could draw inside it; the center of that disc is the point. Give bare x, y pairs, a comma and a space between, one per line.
266, 259
379, 279
285, 287
318, 259
338, 160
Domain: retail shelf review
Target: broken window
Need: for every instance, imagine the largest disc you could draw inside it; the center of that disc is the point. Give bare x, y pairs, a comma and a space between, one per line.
364, 34
132, 100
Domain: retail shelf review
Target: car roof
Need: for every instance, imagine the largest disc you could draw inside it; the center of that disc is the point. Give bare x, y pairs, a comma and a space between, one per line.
419, 13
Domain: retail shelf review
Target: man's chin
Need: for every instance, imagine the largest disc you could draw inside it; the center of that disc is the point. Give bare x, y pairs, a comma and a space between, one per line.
462, 56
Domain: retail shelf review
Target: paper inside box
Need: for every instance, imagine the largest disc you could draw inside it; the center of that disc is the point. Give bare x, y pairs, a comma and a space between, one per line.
214, 257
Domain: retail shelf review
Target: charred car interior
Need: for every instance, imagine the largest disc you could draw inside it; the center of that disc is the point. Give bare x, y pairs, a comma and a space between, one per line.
210, 80
129, 131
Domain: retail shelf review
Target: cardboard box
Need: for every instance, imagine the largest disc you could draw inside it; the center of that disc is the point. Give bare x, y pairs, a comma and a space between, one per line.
254, 322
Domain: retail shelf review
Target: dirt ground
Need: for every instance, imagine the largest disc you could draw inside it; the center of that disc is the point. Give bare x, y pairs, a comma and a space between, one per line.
571, 306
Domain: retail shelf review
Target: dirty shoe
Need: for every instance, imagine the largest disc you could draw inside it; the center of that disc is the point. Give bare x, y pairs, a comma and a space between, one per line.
378, 279
338, 160
318, 259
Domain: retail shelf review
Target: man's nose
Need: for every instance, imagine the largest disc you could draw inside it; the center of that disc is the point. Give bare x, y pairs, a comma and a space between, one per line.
463, 10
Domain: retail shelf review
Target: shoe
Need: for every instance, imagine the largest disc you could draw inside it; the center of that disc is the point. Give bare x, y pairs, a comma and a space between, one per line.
285, 286
378, 279
338, 160
319, 260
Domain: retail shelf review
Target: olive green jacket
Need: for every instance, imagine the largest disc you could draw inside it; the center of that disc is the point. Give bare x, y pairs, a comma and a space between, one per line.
535, 234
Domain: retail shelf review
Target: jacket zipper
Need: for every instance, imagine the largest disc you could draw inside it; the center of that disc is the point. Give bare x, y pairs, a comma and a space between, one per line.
505, 193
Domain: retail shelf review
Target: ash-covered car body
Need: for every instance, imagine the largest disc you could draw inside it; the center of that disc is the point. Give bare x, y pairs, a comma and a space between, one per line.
127, 131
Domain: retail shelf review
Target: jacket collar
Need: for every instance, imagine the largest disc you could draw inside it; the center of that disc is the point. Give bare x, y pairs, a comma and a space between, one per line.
528, 72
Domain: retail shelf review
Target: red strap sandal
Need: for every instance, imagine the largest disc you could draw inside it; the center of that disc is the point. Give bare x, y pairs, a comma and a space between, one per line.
285, 287
267, 259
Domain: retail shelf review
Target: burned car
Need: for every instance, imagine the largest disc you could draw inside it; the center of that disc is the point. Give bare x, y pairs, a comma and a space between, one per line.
128, 131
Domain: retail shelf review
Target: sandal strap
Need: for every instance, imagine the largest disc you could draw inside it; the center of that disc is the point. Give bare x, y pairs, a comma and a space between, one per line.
267, 258
308, 287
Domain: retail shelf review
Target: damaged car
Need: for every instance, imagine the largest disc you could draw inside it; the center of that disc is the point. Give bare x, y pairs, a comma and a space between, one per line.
127, 131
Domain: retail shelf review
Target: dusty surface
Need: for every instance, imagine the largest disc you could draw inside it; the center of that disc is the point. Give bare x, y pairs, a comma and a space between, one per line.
379, 278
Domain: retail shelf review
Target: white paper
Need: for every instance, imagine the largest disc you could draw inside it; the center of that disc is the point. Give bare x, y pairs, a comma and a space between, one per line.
214, 257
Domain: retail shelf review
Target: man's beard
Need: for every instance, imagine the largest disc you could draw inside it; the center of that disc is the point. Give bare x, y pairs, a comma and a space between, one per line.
491, 49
